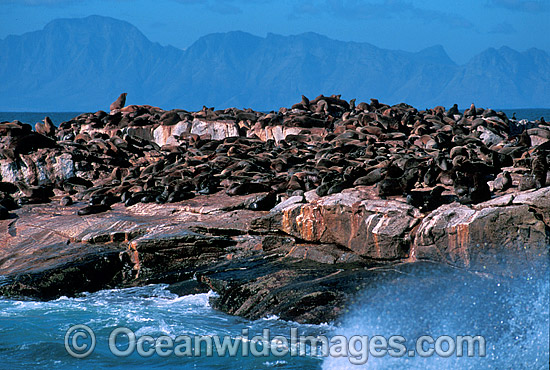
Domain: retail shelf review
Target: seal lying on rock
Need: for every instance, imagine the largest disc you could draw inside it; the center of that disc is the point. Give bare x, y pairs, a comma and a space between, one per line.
34, 194
96, 208
326, 145
426, 200
4, 213
66, 201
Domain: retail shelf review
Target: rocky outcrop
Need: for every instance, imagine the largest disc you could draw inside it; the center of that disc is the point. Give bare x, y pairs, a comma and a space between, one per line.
285, 214
503, 235
370, 228
303, 262
211, 130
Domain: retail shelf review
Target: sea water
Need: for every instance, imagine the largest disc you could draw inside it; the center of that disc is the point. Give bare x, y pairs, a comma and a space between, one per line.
410, 300
33, 117
32, 334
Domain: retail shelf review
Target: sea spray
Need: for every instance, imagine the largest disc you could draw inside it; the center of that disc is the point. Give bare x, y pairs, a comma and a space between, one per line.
425, 299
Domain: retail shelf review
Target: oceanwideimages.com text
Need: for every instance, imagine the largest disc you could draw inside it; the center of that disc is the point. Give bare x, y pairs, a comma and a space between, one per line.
80, 342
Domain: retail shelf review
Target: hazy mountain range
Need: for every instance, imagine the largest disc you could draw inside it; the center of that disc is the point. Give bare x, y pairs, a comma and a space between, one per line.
84, 64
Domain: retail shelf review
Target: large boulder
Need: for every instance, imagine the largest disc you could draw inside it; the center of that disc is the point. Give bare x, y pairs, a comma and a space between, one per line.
502, 235
377, 229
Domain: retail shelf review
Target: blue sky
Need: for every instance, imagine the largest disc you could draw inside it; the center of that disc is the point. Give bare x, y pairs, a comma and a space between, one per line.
464, 28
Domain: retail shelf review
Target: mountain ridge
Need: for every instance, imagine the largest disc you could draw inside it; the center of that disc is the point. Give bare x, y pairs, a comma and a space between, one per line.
84, 63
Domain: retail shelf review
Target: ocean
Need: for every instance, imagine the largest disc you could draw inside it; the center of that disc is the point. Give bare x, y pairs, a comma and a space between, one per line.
510, 315
411, 301
32, 117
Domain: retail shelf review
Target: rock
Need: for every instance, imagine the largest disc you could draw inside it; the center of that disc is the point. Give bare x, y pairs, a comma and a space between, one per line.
216, 130
488, 136
279, 289
492, 238
287, 203
373, 229
168, 134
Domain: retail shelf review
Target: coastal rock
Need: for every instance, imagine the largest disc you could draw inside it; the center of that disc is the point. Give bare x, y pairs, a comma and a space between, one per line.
38, 168
214, 130
499, 238
377, 229
167, 135
172, 196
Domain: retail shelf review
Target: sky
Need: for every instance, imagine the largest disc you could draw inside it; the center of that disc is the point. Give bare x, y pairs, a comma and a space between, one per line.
464, 28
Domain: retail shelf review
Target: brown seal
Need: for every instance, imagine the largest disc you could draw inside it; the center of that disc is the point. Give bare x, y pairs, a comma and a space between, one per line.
47, 128
503, 181
119, 103
539, 168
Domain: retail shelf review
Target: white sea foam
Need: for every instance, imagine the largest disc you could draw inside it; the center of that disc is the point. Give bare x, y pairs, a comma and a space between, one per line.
510, 313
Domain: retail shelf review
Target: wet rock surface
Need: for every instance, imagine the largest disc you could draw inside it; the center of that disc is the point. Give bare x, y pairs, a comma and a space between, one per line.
284, 213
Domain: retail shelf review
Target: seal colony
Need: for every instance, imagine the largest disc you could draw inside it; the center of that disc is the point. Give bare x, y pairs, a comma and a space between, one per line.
286, 213
144, 154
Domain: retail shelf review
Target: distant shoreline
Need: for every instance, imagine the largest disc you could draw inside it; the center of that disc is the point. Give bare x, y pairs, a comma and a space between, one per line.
31, 118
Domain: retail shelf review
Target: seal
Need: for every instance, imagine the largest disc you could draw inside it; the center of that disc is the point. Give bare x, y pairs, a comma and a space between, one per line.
119, 103
8, 202
263, 202
8, 187
469, 182
424, 200
526, 182
46, 128
539, 168
4, 213
503, 181
96, 208
49, 127
66, 201
524, 139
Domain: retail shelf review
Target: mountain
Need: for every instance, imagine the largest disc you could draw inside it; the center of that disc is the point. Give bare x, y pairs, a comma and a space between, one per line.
83, 65
78, 64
